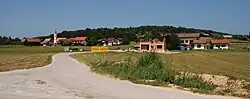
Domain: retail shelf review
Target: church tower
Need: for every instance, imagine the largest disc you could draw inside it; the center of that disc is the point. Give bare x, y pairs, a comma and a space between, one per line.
55, 36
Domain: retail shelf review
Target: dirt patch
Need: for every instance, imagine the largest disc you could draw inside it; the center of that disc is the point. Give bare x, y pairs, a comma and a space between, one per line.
228, 86
40, 82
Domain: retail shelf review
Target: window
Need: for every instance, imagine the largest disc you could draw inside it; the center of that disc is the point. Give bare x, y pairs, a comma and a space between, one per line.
199, 46
218, 46
186, 41
159, 46
223, 45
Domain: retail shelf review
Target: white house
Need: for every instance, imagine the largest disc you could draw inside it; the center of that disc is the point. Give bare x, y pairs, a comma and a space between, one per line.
227, 36
200, 44
187, 38
220, 43
111, 41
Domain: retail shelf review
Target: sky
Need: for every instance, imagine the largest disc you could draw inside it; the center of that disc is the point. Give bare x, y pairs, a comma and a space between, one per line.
27, 18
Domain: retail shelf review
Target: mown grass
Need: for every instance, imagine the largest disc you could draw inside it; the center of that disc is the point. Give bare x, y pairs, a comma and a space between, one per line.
233, 64
14, 57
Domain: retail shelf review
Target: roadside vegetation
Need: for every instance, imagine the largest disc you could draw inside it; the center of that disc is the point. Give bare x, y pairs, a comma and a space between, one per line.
13, 57
223, 73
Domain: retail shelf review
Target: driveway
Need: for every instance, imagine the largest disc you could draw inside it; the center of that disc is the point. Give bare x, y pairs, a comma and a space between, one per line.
65, 78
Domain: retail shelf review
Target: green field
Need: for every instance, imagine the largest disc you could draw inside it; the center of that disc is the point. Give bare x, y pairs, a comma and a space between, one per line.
233, 64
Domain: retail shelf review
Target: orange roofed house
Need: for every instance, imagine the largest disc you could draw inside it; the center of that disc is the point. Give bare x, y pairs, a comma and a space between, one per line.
78, 40
220, 43
31, 41
74, 40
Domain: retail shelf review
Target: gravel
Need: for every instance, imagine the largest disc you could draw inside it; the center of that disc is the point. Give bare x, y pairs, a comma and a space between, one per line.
65, 78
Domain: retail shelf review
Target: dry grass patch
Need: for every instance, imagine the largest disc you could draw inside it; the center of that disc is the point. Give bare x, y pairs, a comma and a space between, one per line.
24, 61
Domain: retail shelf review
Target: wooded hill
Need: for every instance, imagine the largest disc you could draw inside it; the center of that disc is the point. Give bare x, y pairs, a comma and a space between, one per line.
131, 33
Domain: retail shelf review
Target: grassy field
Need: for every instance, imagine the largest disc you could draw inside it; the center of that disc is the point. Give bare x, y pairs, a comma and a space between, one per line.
233, 64
14, 57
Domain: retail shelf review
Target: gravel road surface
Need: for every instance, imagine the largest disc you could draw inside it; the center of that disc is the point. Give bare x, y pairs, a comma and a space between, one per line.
65, 78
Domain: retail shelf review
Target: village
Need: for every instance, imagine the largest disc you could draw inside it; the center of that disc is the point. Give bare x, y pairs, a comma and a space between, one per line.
124, 49
188, 41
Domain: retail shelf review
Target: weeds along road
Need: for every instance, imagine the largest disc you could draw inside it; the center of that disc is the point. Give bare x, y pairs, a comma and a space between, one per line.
65, 78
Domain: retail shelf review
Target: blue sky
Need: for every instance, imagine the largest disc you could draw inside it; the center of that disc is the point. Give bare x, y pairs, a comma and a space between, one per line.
21, 18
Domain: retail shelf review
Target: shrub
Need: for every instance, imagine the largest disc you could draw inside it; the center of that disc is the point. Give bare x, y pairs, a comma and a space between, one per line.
149, 69
194, 81
247, 87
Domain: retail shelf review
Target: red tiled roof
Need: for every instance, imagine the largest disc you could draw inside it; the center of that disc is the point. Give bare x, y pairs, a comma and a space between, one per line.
188, 35
220, 41
201, 41
184, 44
32, 40
58, 39
79, 38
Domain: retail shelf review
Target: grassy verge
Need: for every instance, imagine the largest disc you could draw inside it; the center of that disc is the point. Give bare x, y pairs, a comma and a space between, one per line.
150, 69
165, 70
233, 64
14, 57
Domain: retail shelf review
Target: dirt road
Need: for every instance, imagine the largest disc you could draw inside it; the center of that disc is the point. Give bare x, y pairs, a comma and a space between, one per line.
65, 78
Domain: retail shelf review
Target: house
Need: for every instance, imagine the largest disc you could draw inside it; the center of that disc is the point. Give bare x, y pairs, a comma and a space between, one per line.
47, 42
59, 39
79, 40
201, 44
220, 43
227, 36
111, 41
186, 39
31, 41
153, 45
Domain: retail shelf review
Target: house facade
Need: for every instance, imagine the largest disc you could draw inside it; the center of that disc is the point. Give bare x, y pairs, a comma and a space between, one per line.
111, 41
59, 39
200, 44
152, 46
186, 39
31, 41
47, 42
220, 43
79, 40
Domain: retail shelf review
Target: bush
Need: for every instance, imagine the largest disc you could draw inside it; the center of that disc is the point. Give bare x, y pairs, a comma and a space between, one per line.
193, 81
247, 87
149, 69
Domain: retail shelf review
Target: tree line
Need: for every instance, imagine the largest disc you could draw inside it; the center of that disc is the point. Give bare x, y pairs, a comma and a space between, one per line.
130, 33
4, 40
127, 34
